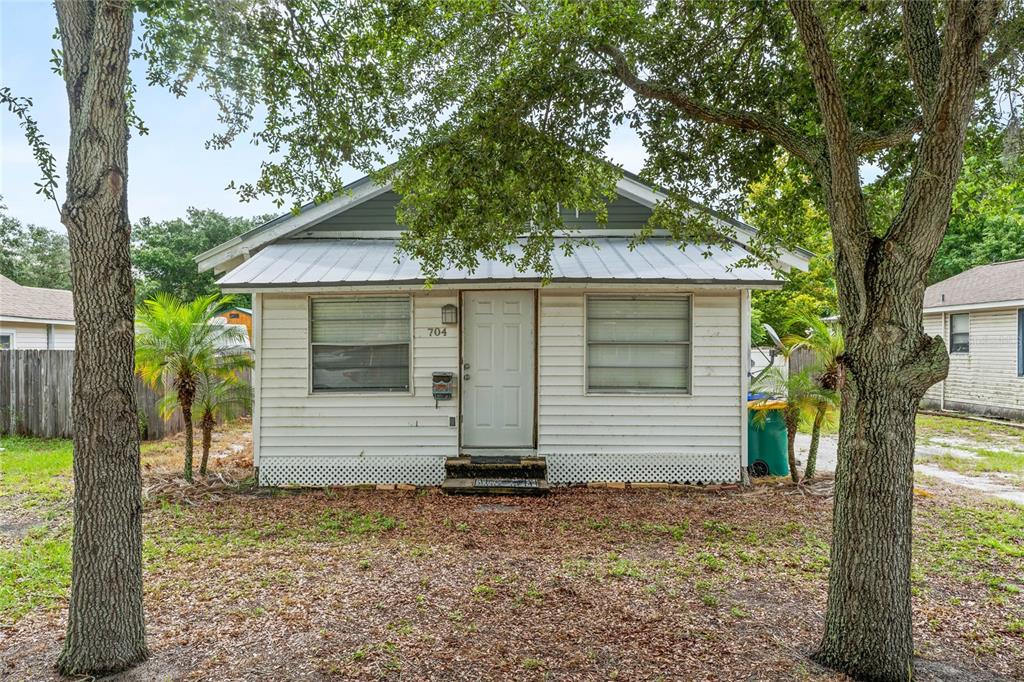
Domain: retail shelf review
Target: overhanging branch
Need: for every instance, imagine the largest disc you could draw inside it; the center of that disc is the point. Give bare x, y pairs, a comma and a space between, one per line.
870, 142
769, 126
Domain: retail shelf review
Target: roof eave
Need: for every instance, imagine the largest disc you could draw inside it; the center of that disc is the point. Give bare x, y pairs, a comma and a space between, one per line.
966, 307
521, 281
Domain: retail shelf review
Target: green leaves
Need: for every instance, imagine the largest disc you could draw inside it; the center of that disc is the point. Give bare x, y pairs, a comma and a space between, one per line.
163, 252
488, 116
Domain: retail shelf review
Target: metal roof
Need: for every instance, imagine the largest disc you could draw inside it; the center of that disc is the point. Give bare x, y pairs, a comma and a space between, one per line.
364, 189
357, 262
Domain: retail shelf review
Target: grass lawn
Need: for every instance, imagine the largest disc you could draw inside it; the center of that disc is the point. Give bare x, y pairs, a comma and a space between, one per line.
978, 447
583, 584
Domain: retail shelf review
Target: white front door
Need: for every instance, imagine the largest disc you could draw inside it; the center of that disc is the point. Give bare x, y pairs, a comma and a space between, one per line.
497, 369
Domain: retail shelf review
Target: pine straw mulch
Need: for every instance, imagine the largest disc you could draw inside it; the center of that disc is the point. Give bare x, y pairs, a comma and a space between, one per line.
580, 585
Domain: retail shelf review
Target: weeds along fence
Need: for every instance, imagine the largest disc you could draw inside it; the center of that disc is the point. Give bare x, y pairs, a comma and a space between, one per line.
35, 397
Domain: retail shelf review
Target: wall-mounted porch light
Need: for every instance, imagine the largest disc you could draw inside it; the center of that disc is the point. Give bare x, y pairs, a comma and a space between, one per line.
449, 314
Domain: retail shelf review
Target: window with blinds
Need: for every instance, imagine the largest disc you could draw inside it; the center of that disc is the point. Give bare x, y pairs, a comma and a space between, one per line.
960, 333
637, 344
360, 344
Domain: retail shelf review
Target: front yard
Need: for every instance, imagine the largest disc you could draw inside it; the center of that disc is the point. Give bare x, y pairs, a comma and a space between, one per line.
584, 584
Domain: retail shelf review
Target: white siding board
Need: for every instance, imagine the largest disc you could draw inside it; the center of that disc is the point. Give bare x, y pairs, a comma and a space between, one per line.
570, 421
624, 437
985, 377
933, 326
297, 423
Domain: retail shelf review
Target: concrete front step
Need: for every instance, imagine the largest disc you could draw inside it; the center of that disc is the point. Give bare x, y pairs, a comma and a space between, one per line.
495, 486
503, 467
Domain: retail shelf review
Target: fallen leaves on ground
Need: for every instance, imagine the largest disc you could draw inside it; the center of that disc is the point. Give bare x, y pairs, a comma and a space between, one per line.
583, 584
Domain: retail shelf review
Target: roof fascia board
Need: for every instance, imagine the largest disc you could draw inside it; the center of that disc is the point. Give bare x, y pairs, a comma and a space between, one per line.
36, 320
967, 307
417, 285
245, 244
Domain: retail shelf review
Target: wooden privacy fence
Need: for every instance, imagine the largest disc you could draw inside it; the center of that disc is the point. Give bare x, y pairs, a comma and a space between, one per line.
801, 359
35, 397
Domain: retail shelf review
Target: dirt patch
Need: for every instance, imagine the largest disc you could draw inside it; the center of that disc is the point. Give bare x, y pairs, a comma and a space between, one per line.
14, 528
580, 585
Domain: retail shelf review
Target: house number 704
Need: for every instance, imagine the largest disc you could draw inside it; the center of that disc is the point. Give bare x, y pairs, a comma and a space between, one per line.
439, 331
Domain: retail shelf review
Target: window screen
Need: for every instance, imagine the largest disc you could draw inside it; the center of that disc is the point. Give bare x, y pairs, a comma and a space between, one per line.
6, 341
638, 344
360, 344
960, 333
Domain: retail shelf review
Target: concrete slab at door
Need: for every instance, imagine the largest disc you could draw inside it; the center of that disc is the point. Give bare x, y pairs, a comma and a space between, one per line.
497, 372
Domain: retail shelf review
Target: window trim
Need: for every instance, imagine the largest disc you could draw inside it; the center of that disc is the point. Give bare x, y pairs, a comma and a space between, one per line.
587, 391
1020, 342
14, 336
960, 352
410, 391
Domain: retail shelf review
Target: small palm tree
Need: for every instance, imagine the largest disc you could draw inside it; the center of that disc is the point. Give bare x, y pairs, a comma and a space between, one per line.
221, 394
802, 393
826, 341
176, 343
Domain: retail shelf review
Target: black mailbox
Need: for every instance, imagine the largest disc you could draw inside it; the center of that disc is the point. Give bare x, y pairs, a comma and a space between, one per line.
444, 385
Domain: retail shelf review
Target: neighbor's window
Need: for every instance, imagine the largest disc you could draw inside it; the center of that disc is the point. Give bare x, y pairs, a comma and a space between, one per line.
6, 341
638, 344
360, 344
960, 333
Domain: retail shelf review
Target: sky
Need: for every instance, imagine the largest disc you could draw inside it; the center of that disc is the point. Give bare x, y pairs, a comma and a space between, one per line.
169, 170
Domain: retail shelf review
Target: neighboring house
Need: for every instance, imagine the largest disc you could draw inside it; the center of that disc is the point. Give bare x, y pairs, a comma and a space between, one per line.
35, 318
980, 314
630, 365
238, 315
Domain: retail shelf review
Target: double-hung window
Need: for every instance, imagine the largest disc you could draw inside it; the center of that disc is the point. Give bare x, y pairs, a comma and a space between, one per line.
960, 333
638, 344
360, 344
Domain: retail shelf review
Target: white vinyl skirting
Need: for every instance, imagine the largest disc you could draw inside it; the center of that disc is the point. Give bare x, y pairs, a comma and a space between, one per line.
562, 469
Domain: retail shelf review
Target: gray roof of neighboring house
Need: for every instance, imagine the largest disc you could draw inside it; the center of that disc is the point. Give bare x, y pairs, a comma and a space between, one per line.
990, 283
355, 262
34, 302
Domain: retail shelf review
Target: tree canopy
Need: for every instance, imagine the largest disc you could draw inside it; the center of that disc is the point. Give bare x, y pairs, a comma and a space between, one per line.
495, 115
33, 256
163, 252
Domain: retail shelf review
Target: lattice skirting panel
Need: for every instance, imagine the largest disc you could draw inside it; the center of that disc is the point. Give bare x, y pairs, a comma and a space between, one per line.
326, 471
663, 468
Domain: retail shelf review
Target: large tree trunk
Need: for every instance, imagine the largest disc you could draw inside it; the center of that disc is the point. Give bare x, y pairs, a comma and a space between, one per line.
105, 629
868, 621
889, 363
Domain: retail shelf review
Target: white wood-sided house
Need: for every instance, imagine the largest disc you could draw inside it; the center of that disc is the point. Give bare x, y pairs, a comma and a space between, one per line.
629, 365
34, 318
980, 313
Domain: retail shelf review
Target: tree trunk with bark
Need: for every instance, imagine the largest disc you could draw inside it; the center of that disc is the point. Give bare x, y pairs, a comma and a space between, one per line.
105, 629
888, 361
791, 416
185, 399
868, 619
812, 452
206, 424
